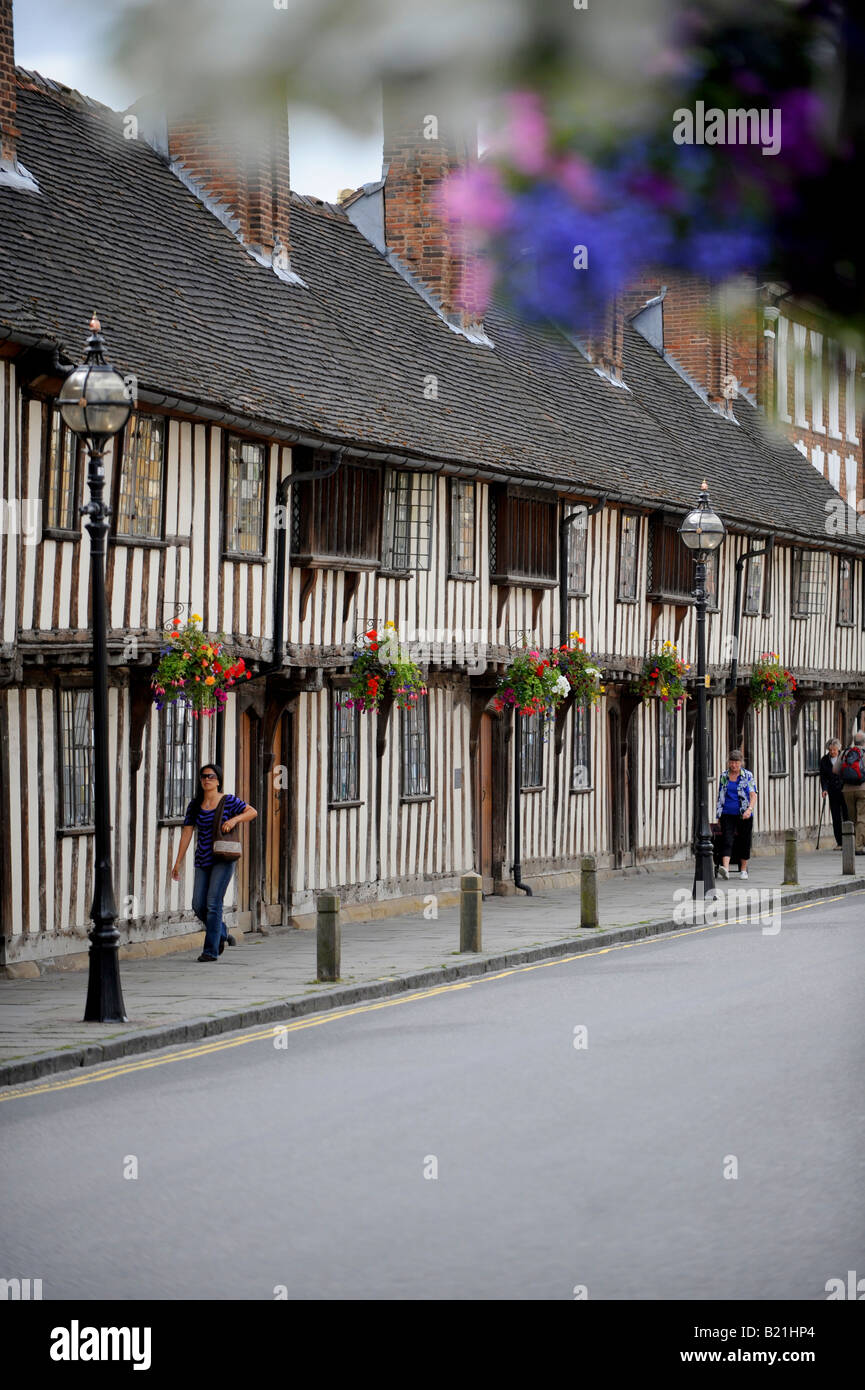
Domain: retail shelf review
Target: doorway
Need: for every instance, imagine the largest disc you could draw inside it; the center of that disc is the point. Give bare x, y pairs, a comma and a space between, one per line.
622, 785
484, 802
277, 886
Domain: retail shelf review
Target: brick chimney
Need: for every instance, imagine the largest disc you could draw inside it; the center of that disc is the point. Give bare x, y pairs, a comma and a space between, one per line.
695, 333
604, 339
421, 151
242, 173
9, 132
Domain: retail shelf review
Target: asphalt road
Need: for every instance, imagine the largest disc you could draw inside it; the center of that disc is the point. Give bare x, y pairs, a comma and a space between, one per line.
264, 1168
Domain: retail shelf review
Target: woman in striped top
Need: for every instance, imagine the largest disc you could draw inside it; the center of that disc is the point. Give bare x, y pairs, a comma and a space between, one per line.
212, 876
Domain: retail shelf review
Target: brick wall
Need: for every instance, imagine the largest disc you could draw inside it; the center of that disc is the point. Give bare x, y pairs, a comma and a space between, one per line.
247, 172
8, 130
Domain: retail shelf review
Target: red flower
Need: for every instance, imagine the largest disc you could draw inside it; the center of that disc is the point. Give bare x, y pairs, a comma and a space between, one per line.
372, 634
581, 641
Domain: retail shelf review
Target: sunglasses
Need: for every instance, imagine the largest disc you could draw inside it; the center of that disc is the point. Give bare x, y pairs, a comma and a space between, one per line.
209, 777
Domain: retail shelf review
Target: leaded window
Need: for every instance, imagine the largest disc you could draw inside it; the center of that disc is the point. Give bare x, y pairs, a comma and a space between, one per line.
628, 534
76, 757
809, 582
179, 759
754, 584
531, 750
777, 741
244, 511
578, 538
581, 755
62, 467
845, 590
139, 506
414, 724
462, 528
407, 533
667, 743
344, 750
523, 538
811, 735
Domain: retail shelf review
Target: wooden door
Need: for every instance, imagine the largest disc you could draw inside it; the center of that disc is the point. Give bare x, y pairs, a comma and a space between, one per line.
623, 792
247, 783
484, 795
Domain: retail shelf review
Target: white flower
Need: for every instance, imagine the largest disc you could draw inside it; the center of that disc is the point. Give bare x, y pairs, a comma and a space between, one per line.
562, 686
593, 672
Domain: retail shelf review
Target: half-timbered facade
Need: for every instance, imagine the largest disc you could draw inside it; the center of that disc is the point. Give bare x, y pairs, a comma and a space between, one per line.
457, 453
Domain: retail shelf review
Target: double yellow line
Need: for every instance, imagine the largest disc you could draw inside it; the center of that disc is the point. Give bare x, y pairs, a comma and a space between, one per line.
110, 1071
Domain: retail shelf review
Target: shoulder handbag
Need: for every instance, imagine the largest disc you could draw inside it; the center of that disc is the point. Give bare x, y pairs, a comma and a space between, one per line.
226, 845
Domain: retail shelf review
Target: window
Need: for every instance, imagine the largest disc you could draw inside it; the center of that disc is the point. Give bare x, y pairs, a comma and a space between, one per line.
179, 759
581, 757
667, 741
523, 539
627, 589
754, 584
344, 750
62, 469
414, 723
462, 528
777, 742
671, 565
578, 537
811, 735
713, 565
408, 503
338, 518
845, 590
76, 756
809, 582
139, 507
244, 512
531, 750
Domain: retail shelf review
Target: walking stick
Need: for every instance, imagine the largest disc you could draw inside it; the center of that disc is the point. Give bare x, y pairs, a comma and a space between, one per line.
823, 800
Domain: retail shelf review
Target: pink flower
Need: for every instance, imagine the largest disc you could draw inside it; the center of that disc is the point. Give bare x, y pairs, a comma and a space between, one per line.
526, 133
578, 178
475, 198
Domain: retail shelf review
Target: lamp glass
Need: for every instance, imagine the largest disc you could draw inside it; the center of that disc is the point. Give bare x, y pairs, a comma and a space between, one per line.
702, 529
95, 401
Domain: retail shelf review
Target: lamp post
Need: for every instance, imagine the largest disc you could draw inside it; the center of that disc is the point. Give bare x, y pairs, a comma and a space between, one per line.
95, 403
702, 531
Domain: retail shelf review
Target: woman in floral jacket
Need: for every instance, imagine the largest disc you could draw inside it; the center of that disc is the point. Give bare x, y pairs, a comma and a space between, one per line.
737, 797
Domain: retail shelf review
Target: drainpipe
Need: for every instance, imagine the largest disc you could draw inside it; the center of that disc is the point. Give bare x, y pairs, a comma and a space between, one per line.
564, 527
518, 868
737, 614
282, 492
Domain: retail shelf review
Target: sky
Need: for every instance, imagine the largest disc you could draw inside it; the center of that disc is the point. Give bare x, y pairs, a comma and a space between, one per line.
67, 41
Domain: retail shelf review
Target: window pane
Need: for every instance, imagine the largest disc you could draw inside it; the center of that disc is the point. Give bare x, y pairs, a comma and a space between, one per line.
754, 587
414, 723
578, 535
462, 538
139, 511
76, 756
667, 730
581, 760
845, 590
179, 759
811, 731
244, 527
62, 476
344, 751
408, 501
809, 581
531, 750
628, 556
523, 537
777, 740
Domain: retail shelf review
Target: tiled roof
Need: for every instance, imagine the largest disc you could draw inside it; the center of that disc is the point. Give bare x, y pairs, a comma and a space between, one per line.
345, 358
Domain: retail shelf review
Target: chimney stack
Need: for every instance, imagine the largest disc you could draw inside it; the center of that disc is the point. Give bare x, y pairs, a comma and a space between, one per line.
422, 149
9, 132
242, 172
696, 334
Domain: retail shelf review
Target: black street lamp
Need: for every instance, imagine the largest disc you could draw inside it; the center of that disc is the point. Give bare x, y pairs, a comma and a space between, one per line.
95, 403
702, 531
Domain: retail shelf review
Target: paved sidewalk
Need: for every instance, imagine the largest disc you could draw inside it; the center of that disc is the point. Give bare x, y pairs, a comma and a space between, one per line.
172, 999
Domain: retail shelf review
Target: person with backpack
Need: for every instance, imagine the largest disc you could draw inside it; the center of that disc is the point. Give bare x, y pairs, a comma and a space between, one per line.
832, 787
851, 770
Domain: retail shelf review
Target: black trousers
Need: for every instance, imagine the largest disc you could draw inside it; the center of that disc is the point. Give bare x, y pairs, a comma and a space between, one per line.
736, 832
838, 811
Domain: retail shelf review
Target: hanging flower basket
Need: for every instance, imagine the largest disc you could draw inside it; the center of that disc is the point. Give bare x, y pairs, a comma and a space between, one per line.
532, 684
661, 676
380, 667
579, 669
195, 669
771, 683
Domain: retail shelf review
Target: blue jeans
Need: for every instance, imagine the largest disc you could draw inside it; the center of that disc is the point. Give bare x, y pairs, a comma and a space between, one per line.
208, 891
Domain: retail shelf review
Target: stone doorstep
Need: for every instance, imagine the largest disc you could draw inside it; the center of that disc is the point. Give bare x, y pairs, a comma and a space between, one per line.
338, 995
